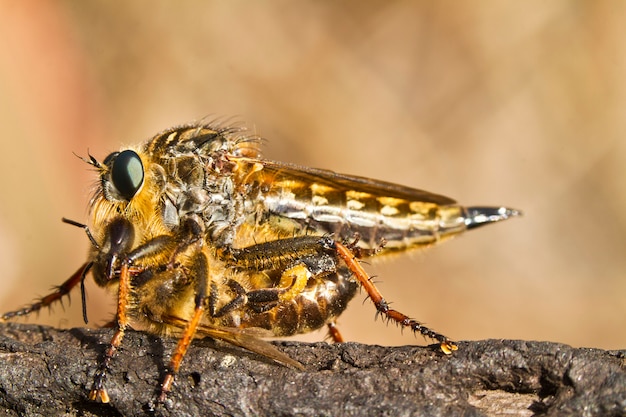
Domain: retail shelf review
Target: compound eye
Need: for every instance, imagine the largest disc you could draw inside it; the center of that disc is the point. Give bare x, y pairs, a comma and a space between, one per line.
127, 173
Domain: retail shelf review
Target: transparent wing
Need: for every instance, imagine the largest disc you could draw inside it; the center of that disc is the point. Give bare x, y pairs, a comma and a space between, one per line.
248, 339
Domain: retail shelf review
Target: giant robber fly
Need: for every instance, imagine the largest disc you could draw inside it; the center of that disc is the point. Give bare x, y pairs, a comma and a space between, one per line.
198, 234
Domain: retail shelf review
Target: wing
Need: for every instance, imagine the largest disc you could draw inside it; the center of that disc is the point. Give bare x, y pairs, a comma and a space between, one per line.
245, 338
319, 201
344, 183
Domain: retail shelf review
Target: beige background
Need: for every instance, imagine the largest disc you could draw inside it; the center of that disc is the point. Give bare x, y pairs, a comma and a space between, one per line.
489, 102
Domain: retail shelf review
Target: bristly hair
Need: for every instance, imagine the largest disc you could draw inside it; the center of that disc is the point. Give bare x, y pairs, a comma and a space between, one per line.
91, 160
246, 143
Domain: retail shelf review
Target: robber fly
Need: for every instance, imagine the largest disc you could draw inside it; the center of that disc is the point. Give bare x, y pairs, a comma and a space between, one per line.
198, 234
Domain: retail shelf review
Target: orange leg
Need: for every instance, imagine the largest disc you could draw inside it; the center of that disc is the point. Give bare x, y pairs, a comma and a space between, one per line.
179, 353
61, 291
201, 299
334, 332
348, 257
98, 391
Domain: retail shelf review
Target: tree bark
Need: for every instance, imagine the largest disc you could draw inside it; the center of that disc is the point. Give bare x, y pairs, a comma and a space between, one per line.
45, 372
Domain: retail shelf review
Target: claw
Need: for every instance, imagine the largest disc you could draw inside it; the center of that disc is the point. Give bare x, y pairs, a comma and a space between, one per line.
448, 347
101, 394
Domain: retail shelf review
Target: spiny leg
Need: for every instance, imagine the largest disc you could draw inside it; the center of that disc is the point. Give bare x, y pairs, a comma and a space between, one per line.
334, 333
56, 296
275, 254
200, 273
348, 257
298, 259
121, 322
239, 300
293, 280
153, 248
98, 391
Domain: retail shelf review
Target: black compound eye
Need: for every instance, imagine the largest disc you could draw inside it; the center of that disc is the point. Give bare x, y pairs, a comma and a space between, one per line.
127, 173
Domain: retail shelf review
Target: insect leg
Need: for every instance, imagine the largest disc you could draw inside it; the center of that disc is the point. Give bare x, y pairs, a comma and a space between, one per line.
348, 257
299, 259
293, 280
200, 273
57, 295
98, 391
238, 301
334, 333
275, 254
297, 265
191, 231
127, 269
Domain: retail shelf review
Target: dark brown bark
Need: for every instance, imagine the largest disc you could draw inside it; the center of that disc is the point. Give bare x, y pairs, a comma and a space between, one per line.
46, 372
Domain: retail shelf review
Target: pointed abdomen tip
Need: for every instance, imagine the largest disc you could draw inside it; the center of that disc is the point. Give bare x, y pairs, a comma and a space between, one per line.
479, 216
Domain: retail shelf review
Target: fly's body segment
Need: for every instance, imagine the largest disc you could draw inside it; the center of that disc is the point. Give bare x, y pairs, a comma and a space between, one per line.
198, 233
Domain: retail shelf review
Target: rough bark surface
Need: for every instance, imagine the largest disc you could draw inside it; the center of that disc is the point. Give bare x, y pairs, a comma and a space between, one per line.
45, 372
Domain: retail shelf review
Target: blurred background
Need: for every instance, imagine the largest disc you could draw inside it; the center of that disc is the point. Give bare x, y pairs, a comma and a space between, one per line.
490, 102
